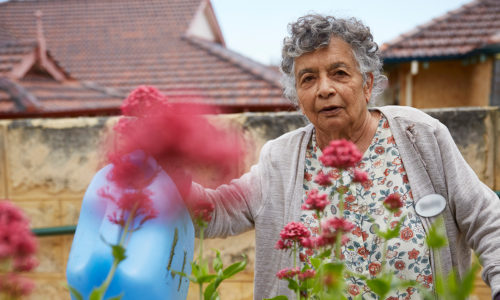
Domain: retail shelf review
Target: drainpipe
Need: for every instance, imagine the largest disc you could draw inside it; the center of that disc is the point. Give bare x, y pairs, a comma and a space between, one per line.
409, 82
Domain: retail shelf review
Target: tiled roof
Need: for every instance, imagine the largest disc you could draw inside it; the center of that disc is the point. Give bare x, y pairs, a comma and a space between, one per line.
69, 98
471, 28
123, 44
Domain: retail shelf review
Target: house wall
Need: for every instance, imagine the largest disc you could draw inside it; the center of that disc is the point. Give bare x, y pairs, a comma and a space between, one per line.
47, 164
450, 83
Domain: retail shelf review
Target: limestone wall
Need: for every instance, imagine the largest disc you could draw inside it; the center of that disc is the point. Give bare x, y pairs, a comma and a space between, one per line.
46, 165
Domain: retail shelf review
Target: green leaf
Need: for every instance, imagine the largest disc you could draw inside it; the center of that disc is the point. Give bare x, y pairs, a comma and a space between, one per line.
292, 284
325, 254
315, 262
217, 262
119, 297
75, 293
436, 238
380, 285
392, 233
281, 297
96, 294
235, 268
118, 252
226, 273
206, 278
439, 285
467, 285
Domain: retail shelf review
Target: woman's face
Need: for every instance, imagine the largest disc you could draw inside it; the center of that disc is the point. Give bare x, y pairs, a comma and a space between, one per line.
330, 88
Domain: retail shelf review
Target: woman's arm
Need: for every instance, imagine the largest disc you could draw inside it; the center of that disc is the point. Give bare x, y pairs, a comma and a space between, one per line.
475, 206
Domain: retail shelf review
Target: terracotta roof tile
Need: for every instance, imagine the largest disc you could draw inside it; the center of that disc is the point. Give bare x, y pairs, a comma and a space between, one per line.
63, 99
472, 27
123, 44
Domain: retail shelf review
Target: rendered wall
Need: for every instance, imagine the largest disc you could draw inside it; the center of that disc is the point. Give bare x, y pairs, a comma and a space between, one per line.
46, 166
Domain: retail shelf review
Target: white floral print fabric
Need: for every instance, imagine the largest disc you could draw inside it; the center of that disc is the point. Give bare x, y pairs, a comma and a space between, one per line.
407, 256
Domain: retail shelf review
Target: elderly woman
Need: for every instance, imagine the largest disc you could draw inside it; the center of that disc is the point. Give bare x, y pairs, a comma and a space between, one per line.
332, 68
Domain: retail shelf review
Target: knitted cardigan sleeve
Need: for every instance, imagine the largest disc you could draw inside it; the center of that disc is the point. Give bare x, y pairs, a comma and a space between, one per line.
475, 206
237, 203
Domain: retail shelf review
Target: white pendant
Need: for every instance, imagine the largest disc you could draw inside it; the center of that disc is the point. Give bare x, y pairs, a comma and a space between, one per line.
430, 205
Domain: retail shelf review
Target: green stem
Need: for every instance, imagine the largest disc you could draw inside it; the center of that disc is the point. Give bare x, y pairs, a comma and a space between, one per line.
104, 286
338, 245
200, 257
294, 266
338, 241
386, 244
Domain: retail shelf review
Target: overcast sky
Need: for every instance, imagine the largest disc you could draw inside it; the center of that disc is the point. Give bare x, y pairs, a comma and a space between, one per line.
255, 28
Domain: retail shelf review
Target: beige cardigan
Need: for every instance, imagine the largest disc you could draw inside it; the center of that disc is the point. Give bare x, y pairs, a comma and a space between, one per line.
270, 195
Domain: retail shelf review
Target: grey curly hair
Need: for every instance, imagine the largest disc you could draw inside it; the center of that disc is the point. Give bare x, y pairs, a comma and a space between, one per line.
314, 31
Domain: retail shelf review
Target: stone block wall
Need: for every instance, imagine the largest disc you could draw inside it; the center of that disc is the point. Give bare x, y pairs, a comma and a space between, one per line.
46, 165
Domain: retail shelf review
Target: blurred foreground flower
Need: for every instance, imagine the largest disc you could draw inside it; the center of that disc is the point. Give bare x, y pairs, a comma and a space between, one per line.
158, 135
17, 249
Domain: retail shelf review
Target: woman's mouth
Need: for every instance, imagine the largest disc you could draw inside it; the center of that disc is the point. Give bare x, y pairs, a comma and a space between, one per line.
330, 109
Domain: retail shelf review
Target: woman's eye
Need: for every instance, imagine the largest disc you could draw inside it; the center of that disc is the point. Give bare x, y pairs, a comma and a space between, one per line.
307, 79
340, 72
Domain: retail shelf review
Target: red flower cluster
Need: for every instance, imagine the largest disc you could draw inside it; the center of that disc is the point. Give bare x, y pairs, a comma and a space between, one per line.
332, 225
330, 228
393, 202
360, 176
341, 154
288, 273
315, 201
293, 232
323, 179
292, 272
18, 246
15, 286
203, 211
133, 201
310, 273
143, 101
169, 132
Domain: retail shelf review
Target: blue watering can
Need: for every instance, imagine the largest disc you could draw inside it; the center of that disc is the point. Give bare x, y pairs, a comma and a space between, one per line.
160, 246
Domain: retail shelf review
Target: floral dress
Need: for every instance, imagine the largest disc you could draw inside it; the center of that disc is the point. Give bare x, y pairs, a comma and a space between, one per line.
408, 256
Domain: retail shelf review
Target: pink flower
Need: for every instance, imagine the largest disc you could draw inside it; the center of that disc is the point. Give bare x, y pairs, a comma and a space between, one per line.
203, 210
294, 231
332, 225
16, 238
393, 202
25, 263
288, 273
323, 179
307, 274
283, 245
360, 176
142, 101
315, 201
17, 248
341, 154
15, 286
136, 202
154, 125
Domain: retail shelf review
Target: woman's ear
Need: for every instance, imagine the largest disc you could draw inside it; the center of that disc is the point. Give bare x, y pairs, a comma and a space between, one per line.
368, 86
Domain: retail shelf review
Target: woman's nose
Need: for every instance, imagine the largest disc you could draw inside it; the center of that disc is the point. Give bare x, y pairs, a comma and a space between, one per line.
325, 88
